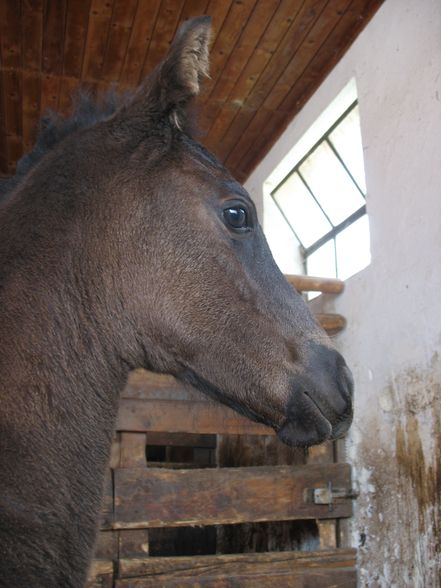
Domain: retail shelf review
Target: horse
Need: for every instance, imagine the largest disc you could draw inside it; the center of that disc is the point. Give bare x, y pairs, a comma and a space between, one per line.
124, 243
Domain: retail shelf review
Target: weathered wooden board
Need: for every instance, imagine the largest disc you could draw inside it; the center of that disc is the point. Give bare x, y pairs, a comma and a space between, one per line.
176, 416
334, 568
169, 498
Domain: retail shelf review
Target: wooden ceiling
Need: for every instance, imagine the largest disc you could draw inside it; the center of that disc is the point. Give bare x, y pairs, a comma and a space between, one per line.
267, 58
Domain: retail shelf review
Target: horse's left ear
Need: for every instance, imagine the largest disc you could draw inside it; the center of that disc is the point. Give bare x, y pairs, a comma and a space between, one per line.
171, 86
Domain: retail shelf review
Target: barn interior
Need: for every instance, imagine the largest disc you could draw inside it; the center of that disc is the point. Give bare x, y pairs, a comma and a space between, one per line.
346, 91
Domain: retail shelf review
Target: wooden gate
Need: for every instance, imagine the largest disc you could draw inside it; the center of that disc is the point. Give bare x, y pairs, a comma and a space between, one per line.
199, 496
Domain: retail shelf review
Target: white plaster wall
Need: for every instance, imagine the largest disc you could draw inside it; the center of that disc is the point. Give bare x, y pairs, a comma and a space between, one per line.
393, 339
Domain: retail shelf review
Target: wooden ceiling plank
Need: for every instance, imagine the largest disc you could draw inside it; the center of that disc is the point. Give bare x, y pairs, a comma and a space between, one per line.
336, 43
259, 88
30, 108
140, 38
266, 47
119, 34
260, 127
10, 34
322, 28
218, 12
306, 47
245, 47
229, 34
235, 131
165, 28
194, 8
50, 89
96, 43
69, 88
15, 151
3, 142
54, 22
305, 19
75, 37
32, 34
12, 82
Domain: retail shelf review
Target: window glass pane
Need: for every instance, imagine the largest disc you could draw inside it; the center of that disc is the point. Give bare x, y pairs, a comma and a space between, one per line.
346, 138
322, 262
302, 212
353, 248
331, 184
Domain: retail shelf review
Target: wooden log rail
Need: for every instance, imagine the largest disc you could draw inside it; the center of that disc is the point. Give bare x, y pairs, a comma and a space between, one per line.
295, 569
312, 284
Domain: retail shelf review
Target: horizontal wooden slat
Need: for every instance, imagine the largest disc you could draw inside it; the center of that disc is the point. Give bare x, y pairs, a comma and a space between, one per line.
172, 498
175, 416
315, 284
321, 569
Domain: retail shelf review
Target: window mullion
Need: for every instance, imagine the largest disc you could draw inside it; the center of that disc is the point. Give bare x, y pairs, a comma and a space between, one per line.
302, 247
305, 183
338, 156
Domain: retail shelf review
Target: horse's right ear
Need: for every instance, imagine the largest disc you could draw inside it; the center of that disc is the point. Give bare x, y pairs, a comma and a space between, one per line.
167, 92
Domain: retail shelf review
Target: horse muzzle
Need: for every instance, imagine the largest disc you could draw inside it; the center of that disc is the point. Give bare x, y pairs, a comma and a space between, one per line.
320, 407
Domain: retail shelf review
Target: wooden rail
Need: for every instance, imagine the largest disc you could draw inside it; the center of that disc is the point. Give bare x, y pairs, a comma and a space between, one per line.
312, 284
295, 569
154, 497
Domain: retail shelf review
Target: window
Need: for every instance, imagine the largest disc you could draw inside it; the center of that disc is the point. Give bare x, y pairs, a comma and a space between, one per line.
322, 201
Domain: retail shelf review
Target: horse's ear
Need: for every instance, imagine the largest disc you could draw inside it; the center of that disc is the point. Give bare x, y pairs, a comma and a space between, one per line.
171, 86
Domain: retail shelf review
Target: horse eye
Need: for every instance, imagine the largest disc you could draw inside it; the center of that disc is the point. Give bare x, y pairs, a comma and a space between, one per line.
236, 217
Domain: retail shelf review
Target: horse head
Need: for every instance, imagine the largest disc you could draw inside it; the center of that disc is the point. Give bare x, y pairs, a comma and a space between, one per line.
203, 295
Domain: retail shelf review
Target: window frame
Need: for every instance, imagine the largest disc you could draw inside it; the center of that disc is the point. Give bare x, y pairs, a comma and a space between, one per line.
340, 227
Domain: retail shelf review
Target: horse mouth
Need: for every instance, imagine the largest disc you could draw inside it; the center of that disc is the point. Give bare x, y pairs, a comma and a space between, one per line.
311, 426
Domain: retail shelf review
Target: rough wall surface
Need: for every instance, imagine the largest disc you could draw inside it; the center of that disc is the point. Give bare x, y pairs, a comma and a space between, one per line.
393, 341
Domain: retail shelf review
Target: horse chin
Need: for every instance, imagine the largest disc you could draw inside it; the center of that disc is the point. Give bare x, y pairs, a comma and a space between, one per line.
304, 433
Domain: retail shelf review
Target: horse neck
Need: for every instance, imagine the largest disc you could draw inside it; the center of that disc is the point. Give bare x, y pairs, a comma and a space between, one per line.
60, 374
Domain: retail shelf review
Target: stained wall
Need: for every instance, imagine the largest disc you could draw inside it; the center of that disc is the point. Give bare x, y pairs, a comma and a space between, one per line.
393, 307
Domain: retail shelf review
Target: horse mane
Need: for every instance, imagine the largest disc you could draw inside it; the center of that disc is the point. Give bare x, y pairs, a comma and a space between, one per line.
54, 128
87, 111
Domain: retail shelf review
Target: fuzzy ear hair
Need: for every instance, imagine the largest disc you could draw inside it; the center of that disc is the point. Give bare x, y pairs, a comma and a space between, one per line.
168, 91
184, 67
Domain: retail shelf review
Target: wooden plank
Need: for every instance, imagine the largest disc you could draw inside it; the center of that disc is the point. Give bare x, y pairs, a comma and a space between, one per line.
334, 44
133, 543
118, 39
225, 41
221, 118
253, 90
243, 569
96, 43
53, 37
133, 448
171, 498
165, 27
32, 34
30, 108
77, 20
181, 440
149, 386
107, 545
174, 416
140, 38
10, 34
244, 49
100, 574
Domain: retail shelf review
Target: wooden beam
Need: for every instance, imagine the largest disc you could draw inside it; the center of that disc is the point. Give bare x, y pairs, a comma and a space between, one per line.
313, 284
182, 416
174, 498
290, 568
